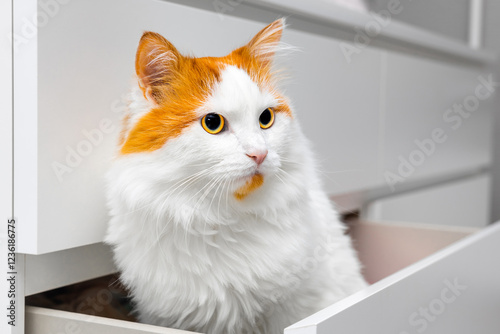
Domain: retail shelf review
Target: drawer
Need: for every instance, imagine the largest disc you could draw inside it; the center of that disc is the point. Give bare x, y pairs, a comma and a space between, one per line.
413, 268
455, 290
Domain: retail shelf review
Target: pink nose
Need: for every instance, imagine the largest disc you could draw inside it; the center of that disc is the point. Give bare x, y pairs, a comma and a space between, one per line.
258, 157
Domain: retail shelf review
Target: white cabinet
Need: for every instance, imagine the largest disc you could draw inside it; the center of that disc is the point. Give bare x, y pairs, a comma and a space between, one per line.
73, 64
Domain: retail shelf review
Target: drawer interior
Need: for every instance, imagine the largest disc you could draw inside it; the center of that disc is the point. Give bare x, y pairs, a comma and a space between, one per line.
385, 248
102, 304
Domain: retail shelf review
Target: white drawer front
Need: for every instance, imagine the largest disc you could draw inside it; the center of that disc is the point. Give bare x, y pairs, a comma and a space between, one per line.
53, 270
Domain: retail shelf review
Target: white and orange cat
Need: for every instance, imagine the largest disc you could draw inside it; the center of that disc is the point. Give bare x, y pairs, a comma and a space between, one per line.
219, 223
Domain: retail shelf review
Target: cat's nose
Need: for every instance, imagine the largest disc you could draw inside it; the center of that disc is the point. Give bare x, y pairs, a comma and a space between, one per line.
258, 156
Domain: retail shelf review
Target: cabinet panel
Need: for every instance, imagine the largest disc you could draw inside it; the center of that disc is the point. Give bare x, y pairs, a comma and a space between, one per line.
437, 119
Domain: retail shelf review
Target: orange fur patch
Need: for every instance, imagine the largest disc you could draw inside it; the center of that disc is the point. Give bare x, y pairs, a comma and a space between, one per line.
253, 184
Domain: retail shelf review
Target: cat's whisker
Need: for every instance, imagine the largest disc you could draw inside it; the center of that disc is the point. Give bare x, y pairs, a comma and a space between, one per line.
227, 195
284, 172
158, 240
220, 197
175, 184
204, 194
344, 171
217, 184
222, 184
186, 181
213, 184
289, 161
189, 181
202, 164
160, 212
226, 185
337, 205
279, 178
327, 174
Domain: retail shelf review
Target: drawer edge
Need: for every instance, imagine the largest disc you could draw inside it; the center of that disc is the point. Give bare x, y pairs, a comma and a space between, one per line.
42, 320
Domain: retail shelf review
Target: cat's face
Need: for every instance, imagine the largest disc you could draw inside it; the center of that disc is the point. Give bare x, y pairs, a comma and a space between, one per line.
217, 121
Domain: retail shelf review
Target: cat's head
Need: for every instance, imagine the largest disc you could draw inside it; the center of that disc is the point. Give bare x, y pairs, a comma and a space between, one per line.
216, 124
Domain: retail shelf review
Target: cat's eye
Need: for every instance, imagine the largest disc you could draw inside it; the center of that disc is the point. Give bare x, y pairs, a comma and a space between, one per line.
213, 123
266, 119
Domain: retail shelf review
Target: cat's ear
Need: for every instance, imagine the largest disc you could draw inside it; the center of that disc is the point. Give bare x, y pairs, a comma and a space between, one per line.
265, 44
155, 64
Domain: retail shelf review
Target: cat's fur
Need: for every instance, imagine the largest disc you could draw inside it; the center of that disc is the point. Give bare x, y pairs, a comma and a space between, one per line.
194, 255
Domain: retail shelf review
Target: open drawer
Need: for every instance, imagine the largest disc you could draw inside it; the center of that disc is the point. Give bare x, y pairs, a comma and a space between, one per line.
455, 290
437, 280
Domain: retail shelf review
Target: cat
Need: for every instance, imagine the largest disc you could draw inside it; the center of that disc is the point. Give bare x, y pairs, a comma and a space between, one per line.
219, 223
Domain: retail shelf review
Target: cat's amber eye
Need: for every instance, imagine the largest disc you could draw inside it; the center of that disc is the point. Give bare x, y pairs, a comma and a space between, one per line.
213, 123
266, 119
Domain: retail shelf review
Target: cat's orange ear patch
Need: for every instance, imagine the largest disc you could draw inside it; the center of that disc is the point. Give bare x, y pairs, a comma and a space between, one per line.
155, 64
265, 44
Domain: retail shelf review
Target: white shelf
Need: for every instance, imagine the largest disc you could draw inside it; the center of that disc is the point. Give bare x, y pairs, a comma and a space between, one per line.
402, 33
